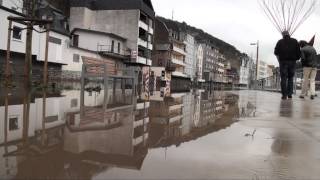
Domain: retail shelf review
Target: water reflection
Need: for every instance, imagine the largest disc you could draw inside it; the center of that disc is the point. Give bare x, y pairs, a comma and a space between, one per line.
73, 133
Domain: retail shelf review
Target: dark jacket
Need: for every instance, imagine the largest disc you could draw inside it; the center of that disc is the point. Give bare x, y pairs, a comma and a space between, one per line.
288, 49
309, 57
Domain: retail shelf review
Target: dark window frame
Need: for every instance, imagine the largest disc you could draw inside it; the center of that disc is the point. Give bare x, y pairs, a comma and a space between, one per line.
76, 58
16, 36
13, 126
55, 40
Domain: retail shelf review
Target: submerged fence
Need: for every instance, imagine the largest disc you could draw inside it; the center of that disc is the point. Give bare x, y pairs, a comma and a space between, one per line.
273, 83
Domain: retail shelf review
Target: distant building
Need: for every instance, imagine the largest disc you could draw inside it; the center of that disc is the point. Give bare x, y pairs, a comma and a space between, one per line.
270, 70
245, 71
200, 59
170, 52
190, 69
262, 70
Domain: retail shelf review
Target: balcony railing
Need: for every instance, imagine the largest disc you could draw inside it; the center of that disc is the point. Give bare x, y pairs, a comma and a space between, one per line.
179, 50
109, 49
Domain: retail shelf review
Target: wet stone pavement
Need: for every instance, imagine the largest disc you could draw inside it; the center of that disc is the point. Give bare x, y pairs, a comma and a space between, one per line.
196, 135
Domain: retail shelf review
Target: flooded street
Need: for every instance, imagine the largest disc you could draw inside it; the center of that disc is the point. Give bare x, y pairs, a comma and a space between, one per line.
195, 135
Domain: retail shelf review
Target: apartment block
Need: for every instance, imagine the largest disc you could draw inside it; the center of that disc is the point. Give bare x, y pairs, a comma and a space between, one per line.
132, 20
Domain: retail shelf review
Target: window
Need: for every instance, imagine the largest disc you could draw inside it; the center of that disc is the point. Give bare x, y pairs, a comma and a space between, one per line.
112, 46
17, 33
54, 40
76, 58
74, 103
13, 123
75, 40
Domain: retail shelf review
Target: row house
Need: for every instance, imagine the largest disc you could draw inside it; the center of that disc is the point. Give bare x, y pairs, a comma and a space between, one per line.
58, 38
170, 52
190, 61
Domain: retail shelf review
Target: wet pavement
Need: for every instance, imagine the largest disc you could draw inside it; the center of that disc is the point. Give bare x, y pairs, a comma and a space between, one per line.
195, 135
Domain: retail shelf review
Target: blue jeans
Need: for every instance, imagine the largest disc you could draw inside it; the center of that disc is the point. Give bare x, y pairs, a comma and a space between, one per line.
287, 72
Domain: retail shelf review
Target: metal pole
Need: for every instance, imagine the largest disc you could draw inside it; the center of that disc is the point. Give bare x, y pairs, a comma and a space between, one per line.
257, 60
8, 50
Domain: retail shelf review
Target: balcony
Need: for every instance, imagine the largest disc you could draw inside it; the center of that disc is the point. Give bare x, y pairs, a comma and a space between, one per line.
112, 50
142, 42
178, 62
151, 30
179, 50
142, 60
179, 74
143, 25
150, 46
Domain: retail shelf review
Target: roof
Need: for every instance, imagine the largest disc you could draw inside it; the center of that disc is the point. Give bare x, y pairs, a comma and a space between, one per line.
98, 32
144, 5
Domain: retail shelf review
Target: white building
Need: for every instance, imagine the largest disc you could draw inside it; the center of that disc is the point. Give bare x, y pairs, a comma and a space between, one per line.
133, 21
58, 40
245, 67
262, 70
200, 58
190, 69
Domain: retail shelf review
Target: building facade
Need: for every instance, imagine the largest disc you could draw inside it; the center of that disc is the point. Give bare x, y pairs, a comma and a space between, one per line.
134, 21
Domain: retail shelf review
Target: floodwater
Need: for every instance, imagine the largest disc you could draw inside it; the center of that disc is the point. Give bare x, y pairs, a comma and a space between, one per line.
194, 135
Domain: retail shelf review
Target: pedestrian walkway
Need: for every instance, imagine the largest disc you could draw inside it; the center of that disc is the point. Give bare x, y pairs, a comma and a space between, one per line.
285, 136
270, 139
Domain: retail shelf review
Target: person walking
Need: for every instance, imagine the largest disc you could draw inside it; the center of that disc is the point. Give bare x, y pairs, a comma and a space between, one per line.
288, 53
309, 64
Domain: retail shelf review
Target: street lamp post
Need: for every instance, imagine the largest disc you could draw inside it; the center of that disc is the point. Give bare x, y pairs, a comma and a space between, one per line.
257, 60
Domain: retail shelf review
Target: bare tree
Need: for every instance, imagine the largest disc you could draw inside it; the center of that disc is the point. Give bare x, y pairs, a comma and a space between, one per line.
288, 15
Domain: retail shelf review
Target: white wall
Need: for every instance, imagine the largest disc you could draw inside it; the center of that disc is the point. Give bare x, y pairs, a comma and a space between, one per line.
56, 51
16, 5
68, 58
90, 41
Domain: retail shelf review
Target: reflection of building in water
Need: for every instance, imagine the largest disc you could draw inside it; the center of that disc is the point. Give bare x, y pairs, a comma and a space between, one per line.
124, 145
127, 139
28, 135
166, 116
217, 111
220, 106
160, 80
188, 112
207, 109
247, 106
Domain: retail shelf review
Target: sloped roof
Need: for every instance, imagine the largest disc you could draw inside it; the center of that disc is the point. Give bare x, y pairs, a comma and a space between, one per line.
144, 5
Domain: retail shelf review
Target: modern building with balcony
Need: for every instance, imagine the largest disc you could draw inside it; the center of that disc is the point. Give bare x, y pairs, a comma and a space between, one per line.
170, 52
132, 20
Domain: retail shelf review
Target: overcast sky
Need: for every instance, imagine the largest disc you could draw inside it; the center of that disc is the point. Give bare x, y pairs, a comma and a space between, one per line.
238, 22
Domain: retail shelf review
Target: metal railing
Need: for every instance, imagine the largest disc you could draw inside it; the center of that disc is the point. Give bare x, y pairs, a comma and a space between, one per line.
109, 49
273, 83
